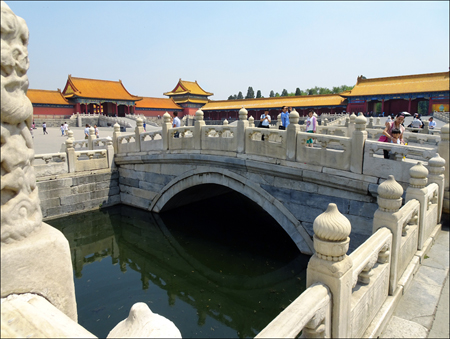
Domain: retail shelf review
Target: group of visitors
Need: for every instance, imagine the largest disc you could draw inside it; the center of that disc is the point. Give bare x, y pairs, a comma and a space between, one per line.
86, 131
311, 122
64, 129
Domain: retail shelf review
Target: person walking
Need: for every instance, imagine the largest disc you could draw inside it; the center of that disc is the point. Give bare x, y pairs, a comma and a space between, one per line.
96, 132
86, 131
66, 128
175, 124
62, 130
284, 118
44, 128
311, 123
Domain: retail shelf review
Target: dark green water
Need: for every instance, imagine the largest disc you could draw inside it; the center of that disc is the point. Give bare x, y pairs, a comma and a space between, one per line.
217, 268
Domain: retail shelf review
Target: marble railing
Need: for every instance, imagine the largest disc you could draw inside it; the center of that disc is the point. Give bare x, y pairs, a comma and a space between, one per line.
443, 116
50, 164
352, 296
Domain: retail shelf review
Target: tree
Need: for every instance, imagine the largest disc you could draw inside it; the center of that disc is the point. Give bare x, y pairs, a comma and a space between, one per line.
258, 94
240, 96
277, 94
284, 93
423, 107
271, 95
250, 93
230, 97
298, 92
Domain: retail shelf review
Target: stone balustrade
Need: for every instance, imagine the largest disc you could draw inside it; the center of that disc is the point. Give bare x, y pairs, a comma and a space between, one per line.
50, 164
443, 116
353, 296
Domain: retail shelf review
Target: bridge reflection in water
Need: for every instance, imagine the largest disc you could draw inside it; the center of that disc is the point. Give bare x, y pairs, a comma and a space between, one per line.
221, 268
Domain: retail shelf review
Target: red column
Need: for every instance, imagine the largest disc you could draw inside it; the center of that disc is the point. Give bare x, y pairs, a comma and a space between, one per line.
409, 105
382, 105
430, 105
77, 108
366, 106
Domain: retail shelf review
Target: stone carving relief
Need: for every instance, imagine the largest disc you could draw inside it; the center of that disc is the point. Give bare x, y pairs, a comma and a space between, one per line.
20, 209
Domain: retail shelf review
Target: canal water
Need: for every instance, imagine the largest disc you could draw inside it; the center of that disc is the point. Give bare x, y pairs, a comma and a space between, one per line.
216, 268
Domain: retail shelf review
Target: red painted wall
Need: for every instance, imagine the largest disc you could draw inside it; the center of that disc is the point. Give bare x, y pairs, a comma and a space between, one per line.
53, 111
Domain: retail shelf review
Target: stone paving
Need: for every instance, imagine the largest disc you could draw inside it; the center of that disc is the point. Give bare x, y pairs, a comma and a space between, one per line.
423, 310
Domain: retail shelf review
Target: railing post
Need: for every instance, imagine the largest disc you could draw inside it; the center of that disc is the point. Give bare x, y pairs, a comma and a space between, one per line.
91, 138
389, 202
417, 190
110, 152
443, 150
370, 124
70, 151
79, 122
137, 133
241, 127
331, 266
251, 122
291, 135
425, 129
165, 131
199, 123
116, 134
358, 138
279, 122
436, 168
351, 125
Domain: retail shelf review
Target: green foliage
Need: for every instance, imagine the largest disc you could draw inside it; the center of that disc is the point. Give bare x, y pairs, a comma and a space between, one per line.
284, 93
297, 91
240, 96
271, 95
250, 93
277, 94
258, 94
230, 97
423, 108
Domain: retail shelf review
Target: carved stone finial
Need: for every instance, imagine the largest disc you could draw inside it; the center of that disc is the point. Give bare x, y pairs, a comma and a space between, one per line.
70, 134
109, 141
116, 127
139, 122
418, 176
243, 114
390, 195
199, 115
360, 122
166, 117
91, 131
436, 165
225, 122
294, 117
331, 231
251, 119
445, 132
20, 205
352, 117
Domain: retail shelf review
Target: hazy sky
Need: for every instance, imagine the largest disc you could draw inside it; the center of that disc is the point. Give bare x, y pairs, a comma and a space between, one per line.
229, 46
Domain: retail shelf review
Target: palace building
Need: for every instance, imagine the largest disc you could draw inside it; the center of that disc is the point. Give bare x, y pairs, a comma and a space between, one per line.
393, 94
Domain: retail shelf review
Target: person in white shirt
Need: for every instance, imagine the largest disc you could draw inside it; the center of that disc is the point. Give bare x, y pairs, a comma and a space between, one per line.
66, 128
265, 122
176, 123
416, 123
86, 132
432, 123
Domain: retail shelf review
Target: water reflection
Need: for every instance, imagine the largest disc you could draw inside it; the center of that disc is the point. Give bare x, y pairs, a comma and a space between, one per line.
211, 279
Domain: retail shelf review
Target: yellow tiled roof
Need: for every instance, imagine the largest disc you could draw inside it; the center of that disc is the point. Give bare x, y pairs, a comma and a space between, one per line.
41, 96
432, 82
148, 102
277, 102
184, 87
101, 89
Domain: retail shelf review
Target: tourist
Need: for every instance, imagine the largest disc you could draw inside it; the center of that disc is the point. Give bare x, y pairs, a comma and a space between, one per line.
33, 125
416, 123
311, 123
265, 121
176, 123
66, 128
62, 130
388, 120
387, 133
284, 118
86, 132
96, 131
144, 124
44, 128
432, 123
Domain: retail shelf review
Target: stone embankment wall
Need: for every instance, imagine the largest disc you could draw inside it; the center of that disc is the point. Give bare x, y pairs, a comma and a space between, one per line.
78, 192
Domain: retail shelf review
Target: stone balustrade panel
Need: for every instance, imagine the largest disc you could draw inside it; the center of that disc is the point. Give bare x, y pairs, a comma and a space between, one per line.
100, 143
430, 211
421, 138
79, 145
219, 138
408, 222
151, 141
185, 139
310, 312
91, 160
50, 164
402, 158
328, 151
126, 143
332, 130
371, 267
273, 146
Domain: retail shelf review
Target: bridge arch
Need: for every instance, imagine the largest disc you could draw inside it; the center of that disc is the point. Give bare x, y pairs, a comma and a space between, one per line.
240, 184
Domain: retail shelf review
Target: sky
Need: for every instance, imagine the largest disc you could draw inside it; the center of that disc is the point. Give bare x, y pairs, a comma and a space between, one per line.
228, 46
